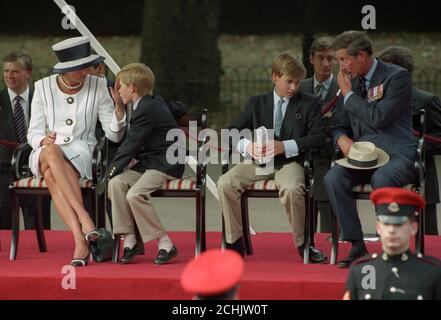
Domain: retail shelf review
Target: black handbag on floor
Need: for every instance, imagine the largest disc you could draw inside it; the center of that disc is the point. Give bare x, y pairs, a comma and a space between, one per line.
102, 248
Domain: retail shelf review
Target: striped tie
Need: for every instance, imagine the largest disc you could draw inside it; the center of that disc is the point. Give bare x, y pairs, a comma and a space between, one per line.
19, 120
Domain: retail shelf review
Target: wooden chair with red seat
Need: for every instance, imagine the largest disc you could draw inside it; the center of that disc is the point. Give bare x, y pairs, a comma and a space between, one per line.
25, 185
187, 187
363, 192
267, 189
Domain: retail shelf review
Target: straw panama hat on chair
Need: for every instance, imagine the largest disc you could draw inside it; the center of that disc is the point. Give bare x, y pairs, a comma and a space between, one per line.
74, 54
364, 155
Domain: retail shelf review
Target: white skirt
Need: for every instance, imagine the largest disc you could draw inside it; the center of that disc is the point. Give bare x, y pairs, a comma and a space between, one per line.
78, 152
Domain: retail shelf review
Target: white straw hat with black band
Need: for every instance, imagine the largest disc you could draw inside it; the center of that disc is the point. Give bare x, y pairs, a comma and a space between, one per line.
364, 155
74, 54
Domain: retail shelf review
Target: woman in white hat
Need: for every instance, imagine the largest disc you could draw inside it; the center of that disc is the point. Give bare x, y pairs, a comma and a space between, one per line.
64, 113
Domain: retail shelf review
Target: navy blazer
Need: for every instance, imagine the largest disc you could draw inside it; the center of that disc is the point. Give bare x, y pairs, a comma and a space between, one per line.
386, 121
302, 122
146, 140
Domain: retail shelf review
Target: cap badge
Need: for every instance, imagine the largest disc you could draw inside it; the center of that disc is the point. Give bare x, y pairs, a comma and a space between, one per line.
393, 207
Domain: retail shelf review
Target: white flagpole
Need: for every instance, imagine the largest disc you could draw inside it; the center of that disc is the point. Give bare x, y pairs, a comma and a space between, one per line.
113, 66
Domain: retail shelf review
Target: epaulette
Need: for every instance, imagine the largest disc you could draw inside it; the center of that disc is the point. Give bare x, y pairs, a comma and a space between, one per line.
430, 260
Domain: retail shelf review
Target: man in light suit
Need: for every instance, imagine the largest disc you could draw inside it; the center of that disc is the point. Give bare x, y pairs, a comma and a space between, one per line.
421, 99
17, 71
375, 106
295, 118
324, 85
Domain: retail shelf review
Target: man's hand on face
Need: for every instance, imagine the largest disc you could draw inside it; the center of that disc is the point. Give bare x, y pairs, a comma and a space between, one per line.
344, 82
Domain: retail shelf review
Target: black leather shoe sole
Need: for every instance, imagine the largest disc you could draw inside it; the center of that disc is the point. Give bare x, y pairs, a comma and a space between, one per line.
129, 254
164, 256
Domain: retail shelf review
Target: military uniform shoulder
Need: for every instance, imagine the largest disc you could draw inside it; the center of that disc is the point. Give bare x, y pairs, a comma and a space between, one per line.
429, 259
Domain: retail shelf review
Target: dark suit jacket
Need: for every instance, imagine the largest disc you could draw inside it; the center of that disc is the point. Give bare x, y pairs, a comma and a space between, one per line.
387, 121
431, 103
322, 160
302, 122
7, 132
146, 140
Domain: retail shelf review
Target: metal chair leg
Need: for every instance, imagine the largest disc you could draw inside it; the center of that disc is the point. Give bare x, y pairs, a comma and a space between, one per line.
203, 226
307, 232
198, 225
116, 247
334, 237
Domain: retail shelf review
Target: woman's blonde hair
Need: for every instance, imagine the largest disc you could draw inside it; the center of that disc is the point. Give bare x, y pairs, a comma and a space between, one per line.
140, 76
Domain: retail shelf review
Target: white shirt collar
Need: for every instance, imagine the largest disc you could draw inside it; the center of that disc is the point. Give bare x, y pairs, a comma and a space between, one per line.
24, 95
326, 83
135, 105
277, 98
371, 71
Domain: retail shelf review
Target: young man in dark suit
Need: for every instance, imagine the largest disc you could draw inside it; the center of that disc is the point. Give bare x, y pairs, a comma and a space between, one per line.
421, 99
295, 118
324, 85
15, 102
375, 106
143, 154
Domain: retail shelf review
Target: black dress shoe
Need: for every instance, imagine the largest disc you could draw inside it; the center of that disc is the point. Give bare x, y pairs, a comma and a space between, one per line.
164, 256
315, 255
354, 254
238, 246
129, 254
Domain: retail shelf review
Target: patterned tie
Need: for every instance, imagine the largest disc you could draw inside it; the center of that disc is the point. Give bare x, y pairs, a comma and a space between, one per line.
18, 119
363, 90
319, 90
279, 118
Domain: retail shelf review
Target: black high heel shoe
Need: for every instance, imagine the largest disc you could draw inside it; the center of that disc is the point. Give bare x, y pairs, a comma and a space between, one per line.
80, 262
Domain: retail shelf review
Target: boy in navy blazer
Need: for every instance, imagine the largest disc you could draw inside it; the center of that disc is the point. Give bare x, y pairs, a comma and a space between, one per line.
140, 165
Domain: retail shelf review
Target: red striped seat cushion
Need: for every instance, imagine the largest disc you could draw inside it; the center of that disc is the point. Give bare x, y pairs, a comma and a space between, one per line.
268, 184
185, 183
34, 182
365, 188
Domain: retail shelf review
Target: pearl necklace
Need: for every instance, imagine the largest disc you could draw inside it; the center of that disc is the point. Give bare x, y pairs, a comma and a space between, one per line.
68, 86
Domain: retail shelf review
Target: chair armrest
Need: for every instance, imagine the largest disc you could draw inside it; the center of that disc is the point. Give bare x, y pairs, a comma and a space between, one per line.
99, 164
20, 162
336, 155
308, 167
201, 167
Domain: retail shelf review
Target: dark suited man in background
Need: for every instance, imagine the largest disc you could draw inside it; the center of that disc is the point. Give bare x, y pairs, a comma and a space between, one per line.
375, 106
324, 85
403, 57
295, 117
14, 120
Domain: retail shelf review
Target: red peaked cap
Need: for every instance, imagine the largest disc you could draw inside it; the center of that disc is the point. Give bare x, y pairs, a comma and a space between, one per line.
397, 195
213, 272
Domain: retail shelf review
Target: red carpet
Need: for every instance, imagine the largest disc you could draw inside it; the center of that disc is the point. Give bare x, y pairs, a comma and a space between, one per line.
275, 271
